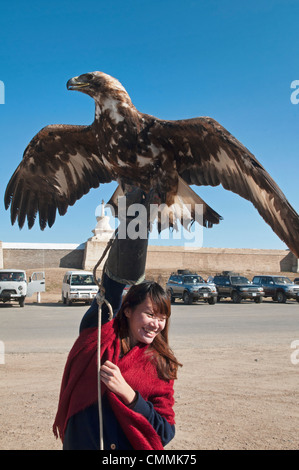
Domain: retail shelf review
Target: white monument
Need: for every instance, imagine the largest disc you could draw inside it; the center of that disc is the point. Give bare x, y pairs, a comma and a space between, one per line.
95, 245
103, 231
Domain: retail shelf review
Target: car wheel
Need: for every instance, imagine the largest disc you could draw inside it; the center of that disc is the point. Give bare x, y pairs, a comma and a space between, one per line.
281, 297
68, 301
22, 301
258, 300
236, 298
212, 300
63, 299
172, 298
187, 298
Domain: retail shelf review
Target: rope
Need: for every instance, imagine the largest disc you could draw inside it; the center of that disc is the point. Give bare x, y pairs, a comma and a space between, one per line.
100, 298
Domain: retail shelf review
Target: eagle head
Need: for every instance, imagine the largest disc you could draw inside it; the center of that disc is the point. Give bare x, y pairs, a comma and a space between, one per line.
97, 85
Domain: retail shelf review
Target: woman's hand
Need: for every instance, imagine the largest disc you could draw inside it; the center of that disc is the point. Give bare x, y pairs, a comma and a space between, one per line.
111, 376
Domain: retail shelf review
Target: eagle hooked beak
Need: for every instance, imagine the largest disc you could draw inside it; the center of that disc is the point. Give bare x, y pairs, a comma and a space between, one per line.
77, 83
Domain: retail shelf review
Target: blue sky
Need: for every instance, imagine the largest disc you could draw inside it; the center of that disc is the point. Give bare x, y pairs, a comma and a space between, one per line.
230, 60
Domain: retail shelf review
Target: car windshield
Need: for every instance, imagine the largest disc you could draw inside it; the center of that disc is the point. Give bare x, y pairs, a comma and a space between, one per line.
283, 280
12, 276
239, 280
83, 280
193, 279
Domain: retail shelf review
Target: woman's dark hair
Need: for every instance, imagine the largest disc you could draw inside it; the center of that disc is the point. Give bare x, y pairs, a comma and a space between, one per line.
167, 364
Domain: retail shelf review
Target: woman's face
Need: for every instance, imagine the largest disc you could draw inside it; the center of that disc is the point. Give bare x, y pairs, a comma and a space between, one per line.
144, 323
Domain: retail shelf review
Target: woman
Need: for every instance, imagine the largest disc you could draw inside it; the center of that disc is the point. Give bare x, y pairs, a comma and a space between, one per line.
137, 373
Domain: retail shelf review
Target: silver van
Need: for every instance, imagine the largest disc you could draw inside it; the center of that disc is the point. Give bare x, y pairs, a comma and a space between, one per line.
78, 286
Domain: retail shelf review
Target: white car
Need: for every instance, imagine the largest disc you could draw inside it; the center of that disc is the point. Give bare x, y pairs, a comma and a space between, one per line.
14, 286
78, 286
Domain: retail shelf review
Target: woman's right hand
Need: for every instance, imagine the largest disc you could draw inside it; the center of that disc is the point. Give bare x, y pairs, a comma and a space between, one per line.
112, 377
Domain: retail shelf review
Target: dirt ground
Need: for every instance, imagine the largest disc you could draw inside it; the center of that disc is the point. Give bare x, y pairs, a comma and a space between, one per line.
217, 405
225, 398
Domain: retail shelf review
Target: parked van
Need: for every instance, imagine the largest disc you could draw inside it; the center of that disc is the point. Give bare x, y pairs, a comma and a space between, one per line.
78, 286
14, 286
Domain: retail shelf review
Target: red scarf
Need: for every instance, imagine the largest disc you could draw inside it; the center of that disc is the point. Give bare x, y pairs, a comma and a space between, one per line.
79, 387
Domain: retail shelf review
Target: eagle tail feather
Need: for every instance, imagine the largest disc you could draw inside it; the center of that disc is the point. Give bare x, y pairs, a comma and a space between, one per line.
193, 208
187, 207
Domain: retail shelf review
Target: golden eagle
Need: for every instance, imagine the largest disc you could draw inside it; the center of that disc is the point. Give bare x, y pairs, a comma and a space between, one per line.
63, 162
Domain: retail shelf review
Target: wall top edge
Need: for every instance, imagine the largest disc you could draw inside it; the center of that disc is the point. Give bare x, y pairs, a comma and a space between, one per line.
42, 246
240, 251
155, 248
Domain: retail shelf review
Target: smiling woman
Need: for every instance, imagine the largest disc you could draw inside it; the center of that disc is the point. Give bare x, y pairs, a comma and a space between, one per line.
144, 317
131, 406
144, 324
137, 374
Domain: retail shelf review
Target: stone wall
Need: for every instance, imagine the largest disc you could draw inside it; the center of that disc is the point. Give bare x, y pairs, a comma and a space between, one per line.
85, 256
92, 254
221, 259
42, 255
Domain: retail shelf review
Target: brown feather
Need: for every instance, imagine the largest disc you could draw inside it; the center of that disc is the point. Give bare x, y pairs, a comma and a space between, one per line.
59, 166
62, 163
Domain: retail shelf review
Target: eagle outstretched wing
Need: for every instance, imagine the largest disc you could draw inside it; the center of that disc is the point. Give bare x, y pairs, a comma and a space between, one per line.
59, 166
205, 153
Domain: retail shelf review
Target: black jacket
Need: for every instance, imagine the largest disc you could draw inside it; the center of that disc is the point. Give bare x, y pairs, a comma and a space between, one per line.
82, 432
